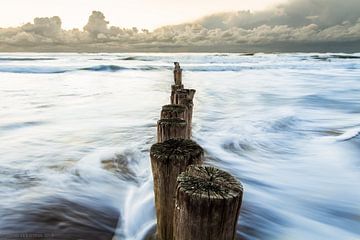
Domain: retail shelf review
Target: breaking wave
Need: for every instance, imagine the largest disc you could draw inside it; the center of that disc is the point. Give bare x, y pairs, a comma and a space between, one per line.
56, 70
15, 59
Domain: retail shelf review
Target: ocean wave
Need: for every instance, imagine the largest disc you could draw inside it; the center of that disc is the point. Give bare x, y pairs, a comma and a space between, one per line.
342, 136
289, 123
345, 56
15, 59
247, 54
13, 126
216, 68
55, 70
334, 56
221, 55
348, 135
117, 68
134, 58
34, 70
104, 68
327, 102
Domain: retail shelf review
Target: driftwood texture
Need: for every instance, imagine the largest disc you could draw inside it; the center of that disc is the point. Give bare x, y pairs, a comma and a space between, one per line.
177, 74
207, 207
169, 128
185, 97
168, 160
174, 88
183, 93
173, 111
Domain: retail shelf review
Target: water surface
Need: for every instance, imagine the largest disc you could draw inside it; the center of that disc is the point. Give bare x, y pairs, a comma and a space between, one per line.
75, 133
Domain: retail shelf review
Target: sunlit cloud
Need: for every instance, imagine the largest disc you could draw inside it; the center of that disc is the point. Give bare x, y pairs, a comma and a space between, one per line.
300, 25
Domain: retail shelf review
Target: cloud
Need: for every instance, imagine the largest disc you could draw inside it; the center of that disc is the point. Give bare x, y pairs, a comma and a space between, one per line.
47, 27
97, 24
298, 25
295, 13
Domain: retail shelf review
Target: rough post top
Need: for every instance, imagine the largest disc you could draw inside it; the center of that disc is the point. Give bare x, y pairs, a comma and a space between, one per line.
174, 107
172, 121
188, 93
186, 90
176, 150
176, 87
209, 183
177, 66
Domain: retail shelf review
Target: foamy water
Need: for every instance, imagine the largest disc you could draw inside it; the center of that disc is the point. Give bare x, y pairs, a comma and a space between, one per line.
75, 132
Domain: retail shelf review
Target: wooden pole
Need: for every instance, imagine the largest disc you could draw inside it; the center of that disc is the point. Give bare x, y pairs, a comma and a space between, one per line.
185, 97
191, 93
188, 114
173, 111
207, 207
174, 88
169, 128
177, 80
168, 160
182, 93
177, 74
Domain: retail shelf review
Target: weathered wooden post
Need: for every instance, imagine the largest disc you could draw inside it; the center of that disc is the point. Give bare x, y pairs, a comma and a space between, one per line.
207, 207
185, 97
174, 88
173, 111
183, 94
177, 82
193, 202
177, 74
168, 160
169, 128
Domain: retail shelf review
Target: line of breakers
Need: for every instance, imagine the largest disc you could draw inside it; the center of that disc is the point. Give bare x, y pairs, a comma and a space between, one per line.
193, 201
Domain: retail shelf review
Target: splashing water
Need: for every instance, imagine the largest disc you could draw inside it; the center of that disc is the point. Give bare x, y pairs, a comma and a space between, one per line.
76, 129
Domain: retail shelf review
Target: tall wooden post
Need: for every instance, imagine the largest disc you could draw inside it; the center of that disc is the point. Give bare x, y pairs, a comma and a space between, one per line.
185, 97
173, 111
169, 128
184, 94
207, 206
203, 202
177, 74
174, 88
177, 82
168, 160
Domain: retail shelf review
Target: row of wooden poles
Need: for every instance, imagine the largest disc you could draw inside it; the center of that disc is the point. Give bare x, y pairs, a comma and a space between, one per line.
193, 201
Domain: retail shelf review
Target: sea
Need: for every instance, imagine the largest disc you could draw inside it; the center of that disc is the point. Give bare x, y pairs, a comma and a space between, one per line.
76, 129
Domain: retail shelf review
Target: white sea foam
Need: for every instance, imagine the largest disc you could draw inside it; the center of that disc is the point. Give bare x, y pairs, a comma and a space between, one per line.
286, 125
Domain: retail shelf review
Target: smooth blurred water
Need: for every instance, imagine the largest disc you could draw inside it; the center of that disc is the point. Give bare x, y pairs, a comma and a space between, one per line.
75, 133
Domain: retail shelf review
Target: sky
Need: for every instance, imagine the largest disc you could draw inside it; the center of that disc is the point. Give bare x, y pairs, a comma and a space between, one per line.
148, 14
180, 26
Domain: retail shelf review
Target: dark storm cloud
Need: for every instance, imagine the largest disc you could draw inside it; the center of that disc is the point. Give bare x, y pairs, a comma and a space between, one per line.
296, 13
